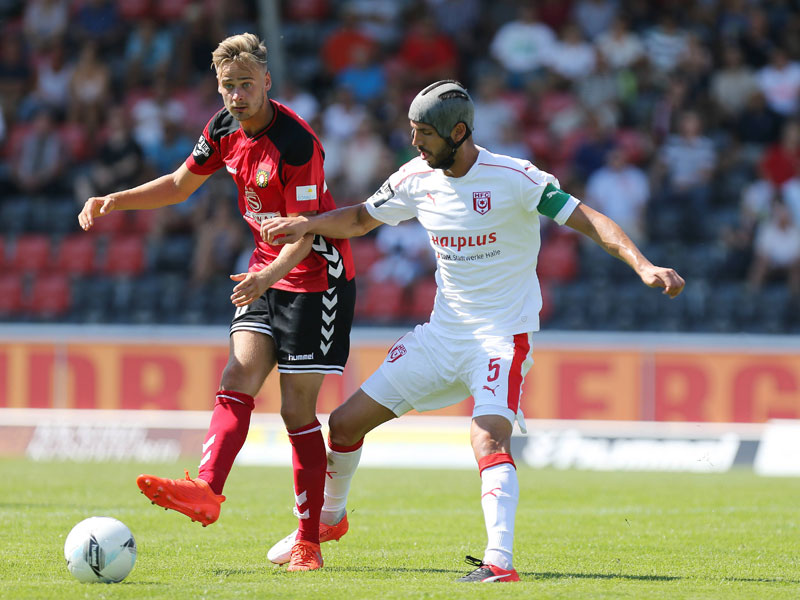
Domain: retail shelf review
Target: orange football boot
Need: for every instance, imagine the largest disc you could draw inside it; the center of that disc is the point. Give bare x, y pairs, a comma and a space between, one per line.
192, 497
306, 556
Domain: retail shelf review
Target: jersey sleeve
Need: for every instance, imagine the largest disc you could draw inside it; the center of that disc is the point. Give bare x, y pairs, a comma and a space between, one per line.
543, 194
206, 156
391, 204
304, 177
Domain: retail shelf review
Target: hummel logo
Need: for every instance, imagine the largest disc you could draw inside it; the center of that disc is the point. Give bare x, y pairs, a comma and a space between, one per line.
492, 389
209, 442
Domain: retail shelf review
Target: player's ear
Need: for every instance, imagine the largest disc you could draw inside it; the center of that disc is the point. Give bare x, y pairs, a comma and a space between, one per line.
458, 132
267, 81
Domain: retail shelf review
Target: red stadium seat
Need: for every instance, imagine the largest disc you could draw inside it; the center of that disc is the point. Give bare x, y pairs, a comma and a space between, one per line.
10, 293
380, 302
32, 252
124, 256
50, 295
142, 221
76, 254
114, 222
422, 296
558, 259
365, 254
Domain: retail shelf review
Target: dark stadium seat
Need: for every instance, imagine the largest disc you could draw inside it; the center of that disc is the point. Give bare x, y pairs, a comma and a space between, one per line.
32, 252
11, 287
174, 254
142, 221
124, 256
92, 299
76, 254
50, 295
15, 214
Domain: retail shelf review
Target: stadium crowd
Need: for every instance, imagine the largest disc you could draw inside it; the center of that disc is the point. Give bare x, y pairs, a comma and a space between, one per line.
679, 120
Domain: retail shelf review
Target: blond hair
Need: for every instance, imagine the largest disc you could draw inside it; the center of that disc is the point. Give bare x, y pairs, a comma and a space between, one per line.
244, 47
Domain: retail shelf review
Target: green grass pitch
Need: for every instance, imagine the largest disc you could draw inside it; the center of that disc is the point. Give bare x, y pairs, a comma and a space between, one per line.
578, 535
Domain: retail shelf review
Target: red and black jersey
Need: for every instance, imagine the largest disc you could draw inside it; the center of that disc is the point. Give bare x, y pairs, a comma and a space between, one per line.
278, 171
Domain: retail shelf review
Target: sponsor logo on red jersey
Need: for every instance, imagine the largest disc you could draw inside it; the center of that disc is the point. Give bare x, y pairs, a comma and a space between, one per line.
253, 201
482, 202
262, 175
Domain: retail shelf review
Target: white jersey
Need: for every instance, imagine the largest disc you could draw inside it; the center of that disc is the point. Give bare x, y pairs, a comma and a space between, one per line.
484, 230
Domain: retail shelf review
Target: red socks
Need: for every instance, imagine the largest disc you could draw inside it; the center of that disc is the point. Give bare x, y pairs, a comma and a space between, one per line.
309, 462
226, 435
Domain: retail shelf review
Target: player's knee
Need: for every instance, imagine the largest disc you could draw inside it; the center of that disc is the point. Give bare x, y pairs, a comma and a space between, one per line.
238, 377
342, 431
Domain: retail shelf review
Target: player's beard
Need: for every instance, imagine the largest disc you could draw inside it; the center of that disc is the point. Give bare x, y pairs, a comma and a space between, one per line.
442, 159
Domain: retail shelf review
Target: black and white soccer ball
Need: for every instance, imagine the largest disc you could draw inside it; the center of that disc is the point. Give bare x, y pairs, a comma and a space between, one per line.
100, 550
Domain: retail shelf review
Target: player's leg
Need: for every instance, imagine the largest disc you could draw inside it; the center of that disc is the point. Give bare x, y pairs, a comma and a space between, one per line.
298, 410
496, 378
312, 336
250, 359
348, 423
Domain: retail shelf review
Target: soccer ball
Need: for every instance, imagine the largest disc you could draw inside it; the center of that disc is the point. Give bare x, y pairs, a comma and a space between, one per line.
100, 550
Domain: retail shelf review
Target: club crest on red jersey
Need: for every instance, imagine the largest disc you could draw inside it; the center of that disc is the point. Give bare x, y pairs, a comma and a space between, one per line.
482, 202
262, 175
396, 352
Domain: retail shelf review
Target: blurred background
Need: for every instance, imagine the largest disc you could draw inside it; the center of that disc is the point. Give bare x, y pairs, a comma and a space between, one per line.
679, 120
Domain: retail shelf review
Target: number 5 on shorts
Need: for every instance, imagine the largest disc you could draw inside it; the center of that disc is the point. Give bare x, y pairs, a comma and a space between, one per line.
494, 369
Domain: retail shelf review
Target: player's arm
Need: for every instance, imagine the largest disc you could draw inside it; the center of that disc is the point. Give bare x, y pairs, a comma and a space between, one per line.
610, 236
252, 285
163, 191
342, 223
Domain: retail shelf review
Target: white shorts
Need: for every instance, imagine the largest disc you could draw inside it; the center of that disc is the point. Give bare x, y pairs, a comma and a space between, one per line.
425, 371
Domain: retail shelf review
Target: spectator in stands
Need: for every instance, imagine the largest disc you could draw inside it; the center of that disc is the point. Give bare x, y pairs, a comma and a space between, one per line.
776, 250
379, 19
732, 85
298, 99
343, 116
119, 163
595, 17
151, 113
219, 241
16, 74
758, 125
683, 172
406, 255
494, 109
90, 88
339, 49
45, 22
756, 41
622, 47
97, 21
426, 54
53, 78
148, 51
365, 77
363, 174
39, 167
780, 83
523, 47
665, 43
620, 191
573, 57
781, 161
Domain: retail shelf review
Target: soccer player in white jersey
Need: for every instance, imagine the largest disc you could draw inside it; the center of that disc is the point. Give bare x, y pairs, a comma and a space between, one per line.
481, 211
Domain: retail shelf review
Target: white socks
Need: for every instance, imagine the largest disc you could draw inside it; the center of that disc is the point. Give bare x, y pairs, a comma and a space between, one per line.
341, 467
499, 497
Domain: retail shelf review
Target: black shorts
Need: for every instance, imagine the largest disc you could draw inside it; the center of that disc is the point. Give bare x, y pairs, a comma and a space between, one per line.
311, 330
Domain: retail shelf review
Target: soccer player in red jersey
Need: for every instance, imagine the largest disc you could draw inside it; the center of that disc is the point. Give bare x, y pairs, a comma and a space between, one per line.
294, 306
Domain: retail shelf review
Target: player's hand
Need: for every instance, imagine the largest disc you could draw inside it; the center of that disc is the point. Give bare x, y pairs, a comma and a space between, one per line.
284, 230
250, 287
95, 207
663, 277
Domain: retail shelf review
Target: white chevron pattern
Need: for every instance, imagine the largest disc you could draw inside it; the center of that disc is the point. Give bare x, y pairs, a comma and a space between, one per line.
329, 301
